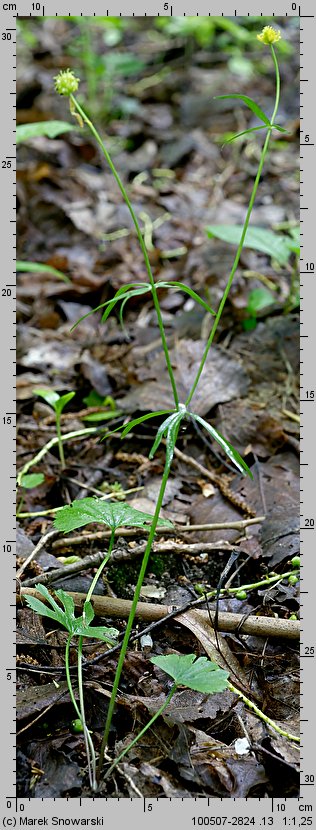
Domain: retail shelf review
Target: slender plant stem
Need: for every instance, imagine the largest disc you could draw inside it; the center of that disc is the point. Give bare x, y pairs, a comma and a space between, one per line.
244, 231
140, 239
133, 610
140, 735
262, 716
100, 568
68, 678
91, 759
60, 443
80, 714
269, 580
78, 433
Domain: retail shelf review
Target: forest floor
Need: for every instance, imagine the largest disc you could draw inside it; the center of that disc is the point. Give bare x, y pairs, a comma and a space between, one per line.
180, 179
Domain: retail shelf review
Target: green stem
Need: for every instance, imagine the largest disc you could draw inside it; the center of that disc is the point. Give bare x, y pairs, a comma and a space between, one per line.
100, 568
133, 610
140, 735
80, 714
78, 433
60, 443
68, 678
91, 759
270, 580
244, 231
140, 239
262, 716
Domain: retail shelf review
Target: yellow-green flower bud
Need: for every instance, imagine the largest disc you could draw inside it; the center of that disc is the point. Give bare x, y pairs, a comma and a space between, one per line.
66, 82
269, 35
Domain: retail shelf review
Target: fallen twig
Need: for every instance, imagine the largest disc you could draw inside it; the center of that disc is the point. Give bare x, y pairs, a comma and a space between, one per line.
111, 607
128, 532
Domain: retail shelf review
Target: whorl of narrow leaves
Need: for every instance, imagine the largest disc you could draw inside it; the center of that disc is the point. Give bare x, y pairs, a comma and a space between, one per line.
199, 674
85, 511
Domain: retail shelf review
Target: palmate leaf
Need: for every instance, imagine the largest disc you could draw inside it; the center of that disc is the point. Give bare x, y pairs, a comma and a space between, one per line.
85, 511
98, 632
54, 613
199, 674
38, 606
226, 446
249, 103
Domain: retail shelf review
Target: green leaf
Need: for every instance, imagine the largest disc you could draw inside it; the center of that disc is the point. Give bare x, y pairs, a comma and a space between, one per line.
69, 606
244, 132
48, 395
161, 432
57, 402
249, 103
51, 129
40, 608
199, 674
85, 511
140, 420
40, 268
187, 290
62, 402
32, 480
226, 446
107, 635
56, 614
259, 239
259, 298
104, 415
88, 612
45, 593
172, 434
253, 130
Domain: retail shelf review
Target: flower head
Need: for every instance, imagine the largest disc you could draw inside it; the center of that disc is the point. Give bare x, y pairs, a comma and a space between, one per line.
269, 35
66, 82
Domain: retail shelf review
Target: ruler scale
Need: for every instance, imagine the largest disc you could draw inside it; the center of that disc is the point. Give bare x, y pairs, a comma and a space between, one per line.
144, 813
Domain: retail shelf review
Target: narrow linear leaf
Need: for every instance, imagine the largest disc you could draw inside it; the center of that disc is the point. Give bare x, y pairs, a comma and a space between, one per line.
187, 290
171, 439
103, 415
249, 103
40, 268
226, 446
162, 432
140, 420
244, 132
